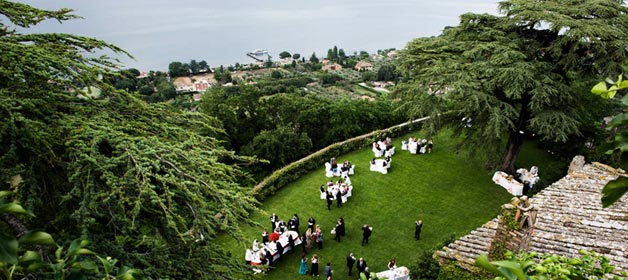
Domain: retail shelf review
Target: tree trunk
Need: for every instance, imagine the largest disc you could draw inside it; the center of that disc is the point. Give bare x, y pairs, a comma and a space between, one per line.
515, 141
516, 137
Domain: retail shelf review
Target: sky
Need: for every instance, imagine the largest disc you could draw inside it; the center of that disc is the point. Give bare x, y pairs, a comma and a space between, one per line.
157, 32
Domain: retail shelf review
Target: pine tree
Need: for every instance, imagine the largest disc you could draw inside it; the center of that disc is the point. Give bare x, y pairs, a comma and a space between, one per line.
517, 74
149, 185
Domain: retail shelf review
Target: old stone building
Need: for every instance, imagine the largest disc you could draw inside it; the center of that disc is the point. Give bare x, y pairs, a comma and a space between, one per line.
562, 219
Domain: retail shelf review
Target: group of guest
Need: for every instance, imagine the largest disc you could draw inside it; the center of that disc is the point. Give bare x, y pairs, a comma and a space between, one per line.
380, 165
313, 235
271, 245
417, 145
264, 253
363, 269
383, 148
339, 191
332, 168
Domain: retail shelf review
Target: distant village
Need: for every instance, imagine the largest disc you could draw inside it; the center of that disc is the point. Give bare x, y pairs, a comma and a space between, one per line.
352, 68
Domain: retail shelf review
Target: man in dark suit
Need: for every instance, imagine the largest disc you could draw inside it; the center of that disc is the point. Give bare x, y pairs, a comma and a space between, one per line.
361, 265
342, 231
329, 198
417, 229
328, 272
350, 262
310, 223
273, 222
366, 233
339, 199
296, 222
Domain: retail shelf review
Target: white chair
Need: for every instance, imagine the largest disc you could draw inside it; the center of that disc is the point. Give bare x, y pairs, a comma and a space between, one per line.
404, 145
390, 152
412, 147
328, 171
347, 180
376, 152
323, 195
352, 169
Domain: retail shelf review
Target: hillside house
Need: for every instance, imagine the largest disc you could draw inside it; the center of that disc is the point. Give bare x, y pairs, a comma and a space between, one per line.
363, 66
331, 67
201, 85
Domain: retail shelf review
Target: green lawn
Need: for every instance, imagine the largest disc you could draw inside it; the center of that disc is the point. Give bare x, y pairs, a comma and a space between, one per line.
451, 193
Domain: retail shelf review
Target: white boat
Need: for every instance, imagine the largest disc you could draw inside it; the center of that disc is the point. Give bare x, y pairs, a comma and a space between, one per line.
259, 52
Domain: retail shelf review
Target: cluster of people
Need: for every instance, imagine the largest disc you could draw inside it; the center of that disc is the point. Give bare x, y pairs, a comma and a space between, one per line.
333, 169
383, 148
271, 248
380, 165
283, 237
361, 266
339, 191
417, 145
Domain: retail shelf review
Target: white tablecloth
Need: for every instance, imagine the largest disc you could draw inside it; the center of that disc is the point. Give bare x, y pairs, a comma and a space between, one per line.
512, 186
283, 240
379, 166
399, 273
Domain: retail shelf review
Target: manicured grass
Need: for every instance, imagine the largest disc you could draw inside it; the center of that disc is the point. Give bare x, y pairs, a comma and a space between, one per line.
451, 193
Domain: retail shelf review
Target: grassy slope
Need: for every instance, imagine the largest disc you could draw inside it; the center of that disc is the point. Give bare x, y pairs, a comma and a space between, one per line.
451, 193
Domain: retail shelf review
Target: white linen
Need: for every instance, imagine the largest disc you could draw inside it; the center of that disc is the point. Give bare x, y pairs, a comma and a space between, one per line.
512, 186
272, 246
399, 273
413, 147
379, 167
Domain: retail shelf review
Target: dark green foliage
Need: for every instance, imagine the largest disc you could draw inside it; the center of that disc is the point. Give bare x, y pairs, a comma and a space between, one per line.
387, 72
276, 74
146, 90
149, 185
451, 271
426, 265
246, 111
368, 76
279, 146
178, 69
532, 265
284, 54
313, 58
329, 78
511, 74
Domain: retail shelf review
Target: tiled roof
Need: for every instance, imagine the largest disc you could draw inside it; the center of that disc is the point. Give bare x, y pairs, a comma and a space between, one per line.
570, 217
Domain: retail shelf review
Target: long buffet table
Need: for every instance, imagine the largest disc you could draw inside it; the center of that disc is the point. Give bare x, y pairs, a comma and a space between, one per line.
283, 240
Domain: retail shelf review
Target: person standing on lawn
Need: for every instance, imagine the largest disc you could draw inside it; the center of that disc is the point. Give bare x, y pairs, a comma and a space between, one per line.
350, 262
366, 233
417, 229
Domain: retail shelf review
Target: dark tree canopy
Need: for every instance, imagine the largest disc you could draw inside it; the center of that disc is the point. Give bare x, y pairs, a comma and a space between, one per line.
148, 185
517, 74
